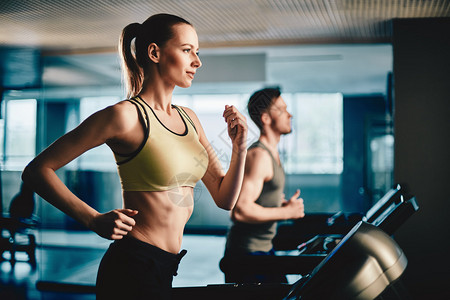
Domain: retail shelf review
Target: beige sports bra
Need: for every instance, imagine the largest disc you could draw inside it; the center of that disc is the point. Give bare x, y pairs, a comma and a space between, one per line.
165, 159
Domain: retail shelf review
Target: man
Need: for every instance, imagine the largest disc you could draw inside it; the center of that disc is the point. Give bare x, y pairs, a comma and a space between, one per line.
261, 202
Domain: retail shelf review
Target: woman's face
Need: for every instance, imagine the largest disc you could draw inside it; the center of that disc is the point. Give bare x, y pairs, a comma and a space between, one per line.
179, 57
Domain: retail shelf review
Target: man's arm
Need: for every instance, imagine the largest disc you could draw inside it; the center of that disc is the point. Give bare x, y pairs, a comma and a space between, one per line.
258, 169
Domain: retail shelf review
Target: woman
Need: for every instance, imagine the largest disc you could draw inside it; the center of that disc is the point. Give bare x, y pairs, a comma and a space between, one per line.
161, 151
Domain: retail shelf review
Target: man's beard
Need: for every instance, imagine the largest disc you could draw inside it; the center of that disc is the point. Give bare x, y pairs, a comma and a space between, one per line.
287, 132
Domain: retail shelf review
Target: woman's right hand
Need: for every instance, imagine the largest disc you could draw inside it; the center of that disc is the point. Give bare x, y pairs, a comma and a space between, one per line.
237, 127
114, 225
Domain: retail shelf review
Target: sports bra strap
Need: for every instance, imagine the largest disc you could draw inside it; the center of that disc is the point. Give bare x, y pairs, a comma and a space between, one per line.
183, 112
145, 123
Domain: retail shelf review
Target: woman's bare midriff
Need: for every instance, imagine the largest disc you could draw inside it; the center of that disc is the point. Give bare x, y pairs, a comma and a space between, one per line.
161, 216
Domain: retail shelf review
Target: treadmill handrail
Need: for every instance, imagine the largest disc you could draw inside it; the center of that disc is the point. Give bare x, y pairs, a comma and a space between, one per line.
381, 205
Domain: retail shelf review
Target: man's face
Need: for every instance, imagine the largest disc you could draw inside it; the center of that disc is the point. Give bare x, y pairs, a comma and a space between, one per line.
281, 118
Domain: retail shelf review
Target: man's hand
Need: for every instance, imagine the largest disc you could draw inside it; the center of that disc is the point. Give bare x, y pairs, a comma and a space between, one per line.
295, 207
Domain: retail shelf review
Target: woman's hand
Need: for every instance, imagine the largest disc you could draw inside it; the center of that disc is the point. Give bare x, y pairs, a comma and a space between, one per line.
237, 127
115, 224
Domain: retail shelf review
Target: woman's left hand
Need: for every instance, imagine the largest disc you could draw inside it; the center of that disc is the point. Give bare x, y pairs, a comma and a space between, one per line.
237, 127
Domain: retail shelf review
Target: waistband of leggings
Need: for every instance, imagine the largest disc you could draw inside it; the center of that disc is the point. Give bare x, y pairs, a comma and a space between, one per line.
146, 248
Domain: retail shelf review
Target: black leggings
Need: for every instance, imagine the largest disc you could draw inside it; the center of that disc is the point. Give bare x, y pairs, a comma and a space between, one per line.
132, 269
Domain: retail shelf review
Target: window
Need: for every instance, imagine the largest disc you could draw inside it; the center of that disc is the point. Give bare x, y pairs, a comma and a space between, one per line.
315, 145
209, 109
101, 157
19, 140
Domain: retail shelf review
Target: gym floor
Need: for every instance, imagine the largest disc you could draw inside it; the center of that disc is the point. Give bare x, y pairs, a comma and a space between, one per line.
73, 258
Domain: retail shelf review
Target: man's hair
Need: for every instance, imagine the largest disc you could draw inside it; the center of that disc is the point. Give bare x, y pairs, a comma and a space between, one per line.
260, 103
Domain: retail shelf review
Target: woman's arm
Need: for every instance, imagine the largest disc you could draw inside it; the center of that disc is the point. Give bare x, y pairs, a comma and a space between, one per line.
39, 175
225, 187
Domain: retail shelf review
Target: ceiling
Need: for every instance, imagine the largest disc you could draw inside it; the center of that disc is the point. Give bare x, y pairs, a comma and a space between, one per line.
87, 24
79, 37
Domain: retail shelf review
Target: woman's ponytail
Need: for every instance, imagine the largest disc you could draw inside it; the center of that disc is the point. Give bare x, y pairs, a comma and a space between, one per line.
133, 73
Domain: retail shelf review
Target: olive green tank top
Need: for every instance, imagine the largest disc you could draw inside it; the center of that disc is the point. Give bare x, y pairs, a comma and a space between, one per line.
165, 159
245, 237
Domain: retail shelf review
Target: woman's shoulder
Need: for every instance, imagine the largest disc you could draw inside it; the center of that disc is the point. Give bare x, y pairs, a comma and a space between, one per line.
194, 119
191, 114
120, 109
189, 111
120, 115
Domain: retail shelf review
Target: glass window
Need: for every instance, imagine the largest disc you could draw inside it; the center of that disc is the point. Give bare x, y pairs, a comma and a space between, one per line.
315, 145
182, 100
209, 110
20, 133
101, 157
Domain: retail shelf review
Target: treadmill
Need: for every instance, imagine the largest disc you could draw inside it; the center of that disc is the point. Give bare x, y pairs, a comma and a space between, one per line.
362, 266
292, 233
388, 214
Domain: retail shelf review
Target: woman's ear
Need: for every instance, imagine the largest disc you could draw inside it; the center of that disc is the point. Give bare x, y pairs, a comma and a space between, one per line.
153, 52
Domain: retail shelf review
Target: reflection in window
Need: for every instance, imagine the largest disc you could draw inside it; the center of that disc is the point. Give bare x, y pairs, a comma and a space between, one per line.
20, 133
